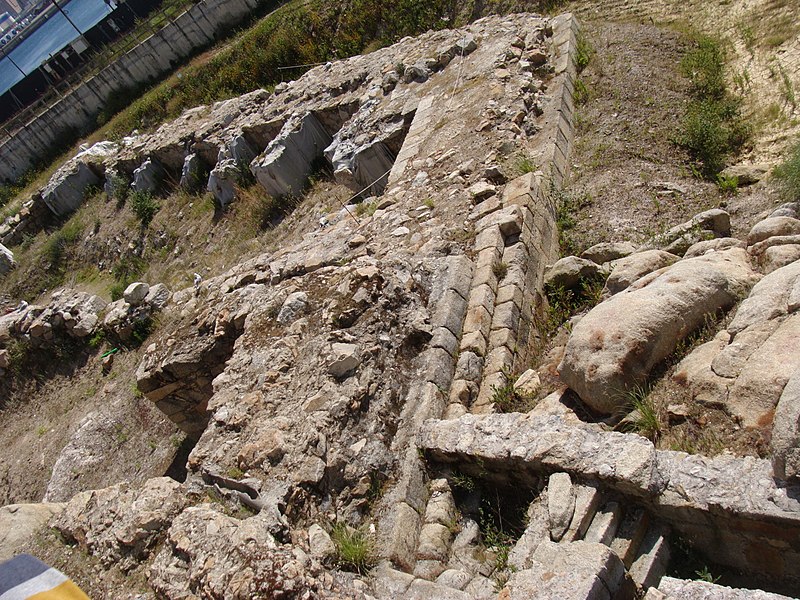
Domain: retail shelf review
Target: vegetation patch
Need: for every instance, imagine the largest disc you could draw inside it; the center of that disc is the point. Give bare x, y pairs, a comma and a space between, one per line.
713, 128
787, 174
355, 548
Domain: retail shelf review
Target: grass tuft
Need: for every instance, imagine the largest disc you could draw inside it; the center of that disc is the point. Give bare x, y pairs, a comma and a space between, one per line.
355, 548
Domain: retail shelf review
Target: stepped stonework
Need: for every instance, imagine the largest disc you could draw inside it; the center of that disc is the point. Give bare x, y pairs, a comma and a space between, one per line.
351, 378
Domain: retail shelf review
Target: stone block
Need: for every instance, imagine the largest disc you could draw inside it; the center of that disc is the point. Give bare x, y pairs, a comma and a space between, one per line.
474, 341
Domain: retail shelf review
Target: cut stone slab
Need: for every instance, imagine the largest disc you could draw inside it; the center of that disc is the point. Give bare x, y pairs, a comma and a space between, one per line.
682, 589
605, 523
785, 440
560, 504
577, 570
653, 558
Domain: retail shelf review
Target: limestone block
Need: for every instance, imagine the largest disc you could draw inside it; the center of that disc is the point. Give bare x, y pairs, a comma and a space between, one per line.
320, 543
345, 358
192, 175
285, 165
222, 181
434, 542
148, 177
66, 190
135, 293
7, 261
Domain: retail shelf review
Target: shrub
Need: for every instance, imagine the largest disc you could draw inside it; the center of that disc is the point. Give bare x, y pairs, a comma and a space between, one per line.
144, 207
713, 127
355, 549
787, 174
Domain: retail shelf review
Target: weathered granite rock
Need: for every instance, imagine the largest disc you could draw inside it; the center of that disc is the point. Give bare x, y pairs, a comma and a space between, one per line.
746, 368
771, 227
631, 268
616, 345
714, 245
716, 222
570, 271
608, 251
20, 522
776, 257
746, 174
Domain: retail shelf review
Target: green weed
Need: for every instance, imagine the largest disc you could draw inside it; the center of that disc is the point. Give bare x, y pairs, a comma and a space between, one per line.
355, 548
727, 185
584, 53
508, 399
713, 127
787, 174
143, 206
647, 421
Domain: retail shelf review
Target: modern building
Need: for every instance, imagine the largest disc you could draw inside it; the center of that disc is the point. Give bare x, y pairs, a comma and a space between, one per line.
6, 22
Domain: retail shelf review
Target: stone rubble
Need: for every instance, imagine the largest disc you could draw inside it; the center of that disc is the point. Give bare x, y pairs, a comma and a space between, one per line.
347, 381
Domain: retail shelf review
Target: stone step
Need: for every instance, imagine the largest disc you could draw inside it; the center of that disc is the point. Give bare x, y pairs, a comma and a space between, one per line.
605, 524
630, 534
587, 500
652, 558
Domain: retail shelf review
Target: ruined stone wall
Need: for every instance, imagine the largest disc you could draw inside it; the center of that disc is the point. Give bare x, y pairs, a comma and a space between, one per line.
146, 62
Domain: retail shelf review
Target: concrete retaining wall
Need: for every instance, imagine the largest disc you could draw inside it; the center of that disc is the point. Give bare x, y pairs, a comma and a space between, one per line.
151, 59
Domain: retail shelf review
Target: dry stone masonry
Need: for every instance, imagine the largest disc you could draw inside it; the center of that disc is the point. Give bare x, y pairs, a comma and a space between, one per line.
348, 382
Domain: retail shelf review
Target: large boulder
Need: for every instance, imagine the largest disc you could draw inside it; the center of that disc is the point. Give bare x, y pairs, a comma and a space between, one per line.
746, 368
570, 271
631, 268
618, 343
